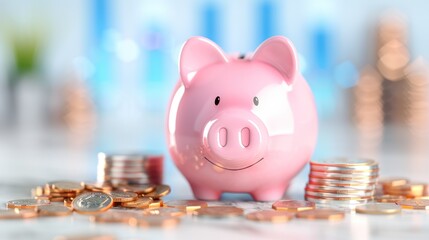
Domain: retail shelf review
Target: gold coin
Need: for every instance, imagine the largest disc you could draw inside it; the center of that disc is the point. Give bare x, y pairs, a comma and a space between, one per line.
420, 204
86, 237
127, 217
378, 208
42, 197
92, 202
57, 199
351, 198
188, 205
165, 211
26, 203
139, 189
68, 202
160, 191
270, 216
348, 162
53, 210
98, 187
219, 211
142, 202
293, 205
120, 196
328, 214
67, 186
16, 213
156, 203
389, 198
157, 221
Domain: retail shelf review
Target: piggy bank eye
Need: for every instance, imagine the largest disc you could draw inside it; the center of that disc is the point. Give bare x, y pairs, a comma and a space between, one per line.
256, 101
217, 100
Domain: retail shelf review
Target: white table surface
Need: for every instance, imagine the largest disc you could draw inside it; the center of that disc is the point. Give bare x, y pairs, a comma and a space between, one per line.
28, 159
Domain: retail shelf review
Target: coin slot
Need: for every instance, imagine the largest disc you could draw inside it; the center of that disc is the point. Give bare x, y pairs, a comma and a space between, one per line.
223, 137
245, 137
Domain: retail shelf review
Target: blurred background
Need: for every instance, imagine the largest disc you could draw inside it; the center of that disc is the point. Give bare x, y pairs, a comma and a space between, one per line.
83, 76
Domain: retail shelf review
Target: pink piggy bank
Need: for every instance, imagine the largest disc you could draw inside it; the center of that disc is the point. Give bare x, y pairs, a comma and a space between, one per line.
236, 124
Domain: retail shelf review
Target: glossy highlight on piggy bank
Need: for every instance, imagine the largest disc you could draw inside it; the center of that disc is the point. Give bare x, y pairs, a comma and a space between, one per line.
241, 124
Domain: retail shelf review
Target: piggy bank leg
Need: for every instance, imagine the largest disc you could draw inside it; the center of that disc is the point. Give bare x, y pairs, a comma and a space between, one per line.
205, 193
269, 193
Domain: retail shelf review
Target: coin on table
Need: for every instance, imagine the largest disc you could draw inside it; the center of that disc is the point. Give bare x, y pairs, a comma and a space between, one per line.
115, 217
393, 182
165, 211
270, 216
92, 203
67, 186
327, 214
420, 204
389, 198
378, 208
141, 202
160, 191
156, 203
219, 211
188, 205
120, 196
348, 202
139, 189
293, 205
26, 203
98, 187
54, 210
345, 195
86, 237
157, 221
17, 213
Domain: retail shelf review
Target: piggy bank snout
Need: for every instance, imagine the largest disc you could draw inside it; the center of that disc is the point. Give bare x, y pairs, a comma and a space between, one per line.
235, 138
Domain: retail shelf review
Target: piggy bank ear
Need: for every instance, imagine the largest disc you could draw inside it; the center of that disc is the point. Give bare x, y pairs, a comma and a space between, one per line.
197, 53
279, 53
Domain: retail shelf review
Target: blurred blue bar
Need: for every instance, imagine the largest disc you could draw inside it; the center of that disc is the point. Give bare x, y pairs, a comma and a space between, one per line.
267, 22
211, 22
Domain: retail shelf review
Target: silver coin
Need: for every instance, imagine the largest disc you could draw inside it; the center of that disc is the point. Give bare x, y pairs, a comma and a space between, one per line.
92, 202
339, 195
333, 201
341, 188
358, 169
344, 162
336, 182
342, 176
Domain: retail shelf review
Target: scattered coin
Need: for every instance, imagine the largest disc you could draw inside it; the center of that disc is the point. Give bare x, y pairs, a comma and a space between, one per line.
293, 205
389, 198
420, 204
165, 211
142, 202
156, 203
26, 203
115, 217
157, 221
160, 191
120, 196
139, 189
188, 205
270, 216
219, 211
378, 208
16, 213
67, 186
53, 210
86, 237
327, 214
92, 203
393, 182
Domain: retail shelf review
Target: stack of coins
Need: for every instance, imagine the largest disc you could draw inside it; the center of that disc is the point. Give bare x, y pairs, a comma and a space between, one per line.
341, 181
134, 169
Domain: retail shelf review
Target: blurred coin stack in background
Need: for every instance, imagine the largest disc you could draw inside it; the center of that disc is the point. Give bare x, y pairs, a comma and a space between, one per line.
344, 182
132, 169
